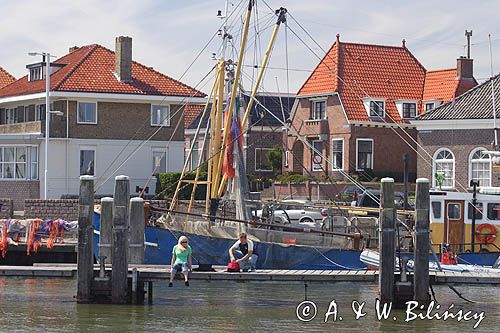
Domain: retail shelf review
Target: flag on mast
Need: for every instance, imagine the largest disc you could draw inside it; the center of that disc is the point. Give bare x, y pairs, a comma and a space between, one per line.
234, 135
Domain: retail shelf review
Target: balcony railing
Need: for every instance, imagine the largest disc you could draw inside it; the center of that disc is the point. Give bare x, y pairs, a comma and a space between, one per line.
20, 128
316, 126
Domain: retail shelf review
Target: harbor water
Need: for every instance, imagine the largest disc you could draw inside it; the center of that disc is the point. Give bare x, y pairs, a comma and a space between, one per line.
48, 305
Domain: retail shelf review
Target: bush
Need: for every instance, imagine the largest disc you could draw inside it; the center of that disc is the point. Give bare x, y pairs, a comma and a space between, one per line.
292, 178
167, 183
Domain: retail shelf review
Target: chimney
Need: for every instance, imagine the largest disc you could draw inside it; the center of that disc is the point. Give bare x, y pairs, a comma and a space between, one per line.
73, 49
123, 58
464, 68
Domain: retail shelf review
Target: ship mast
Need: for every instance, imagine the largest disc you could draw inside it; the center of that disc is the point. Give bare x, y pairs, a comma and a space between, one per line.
220, 123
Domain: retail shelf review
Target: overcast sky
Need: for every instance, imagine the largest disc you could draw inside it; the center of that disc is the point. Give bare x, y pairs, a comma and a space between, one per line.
167, 35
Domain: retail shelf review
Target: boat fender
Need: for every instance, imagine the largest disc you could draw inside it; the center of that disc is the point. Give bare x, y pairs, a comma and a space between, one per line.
488, 237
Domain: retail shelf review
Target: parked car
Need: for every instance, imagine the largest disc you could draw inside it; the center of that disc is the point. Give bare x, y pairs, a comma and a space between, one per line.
297, 213
366, 199
349, 193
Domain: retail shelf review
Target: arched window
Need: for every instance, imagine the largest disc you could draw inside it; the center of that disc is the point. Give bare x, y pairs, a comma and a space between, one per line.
480, 167
443, 169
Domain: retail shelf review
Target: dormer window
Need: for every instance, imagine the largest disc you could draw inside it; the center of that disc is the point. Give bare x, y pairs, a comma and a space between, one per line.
377, 109
429, 106
37, 70
36, 74
409, 110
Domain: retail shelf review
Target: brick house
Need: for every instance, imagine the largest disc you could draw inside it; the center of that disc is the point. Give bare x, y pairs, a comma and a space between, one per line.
5, 78
356, 108
453, 137
108, 106
264, 134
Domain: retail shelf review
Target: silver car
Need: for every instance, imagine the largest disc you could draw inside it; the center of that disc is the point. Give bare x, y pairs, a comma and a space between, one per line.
297, 213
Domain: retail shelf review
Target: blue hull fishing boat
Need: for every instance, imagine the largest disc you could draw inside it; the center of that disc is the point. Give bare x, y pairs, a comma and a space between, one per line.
214, 251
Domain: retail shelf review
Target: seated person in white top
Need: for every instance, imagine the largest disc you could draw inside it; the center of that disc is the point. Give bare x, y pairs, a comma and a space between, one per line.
243, 253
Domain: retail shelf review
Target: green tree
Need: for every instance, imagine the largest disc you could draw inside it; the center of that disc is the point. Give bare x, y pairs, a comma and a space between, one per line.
274, 156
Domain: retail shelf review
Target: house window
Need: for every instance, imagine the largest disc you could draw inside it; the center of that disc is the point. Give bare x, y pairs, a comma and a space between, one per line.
159, 160
338, 154
10, 116
15, 161
364, 154
377, 109
409, 110
36, 74
40, 112
443, 169
87, 162
26, 113
262, 160
34, 163
319, 110
480, 167
429, 106
195, 156
160, 115
87, 113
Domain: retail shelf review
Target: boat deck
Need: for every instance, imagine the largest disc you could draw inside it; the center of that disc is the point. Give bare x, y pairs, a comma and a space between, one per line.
160, 273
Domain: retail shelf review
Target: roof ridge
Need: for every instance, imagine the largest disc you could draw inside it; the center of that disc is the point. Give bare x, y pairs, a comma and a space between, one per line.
376, 45
93, 47
442, 70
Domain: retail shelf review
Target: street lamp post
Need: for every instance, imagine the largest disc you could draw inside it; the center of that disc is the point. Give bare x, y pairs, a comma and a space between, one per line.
47, 115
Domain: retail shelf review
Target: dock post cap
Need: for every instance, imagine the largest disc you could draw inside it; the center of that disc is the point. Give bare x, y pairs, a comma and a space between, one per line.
422, 180
136, 199
122, 177
107, 199
86, 177
387, 180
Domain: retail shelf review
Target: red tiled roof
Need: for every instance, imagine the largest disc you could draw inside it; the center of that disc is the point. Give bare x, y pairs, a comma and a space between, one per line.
91, 69
440, 84
386, 72
5, 78
190, 112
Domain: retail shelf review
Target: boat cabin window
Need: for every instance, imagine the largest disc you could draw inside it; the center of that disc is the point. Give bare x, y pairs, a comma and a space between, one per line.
454, 211
436, 209
494, 211
478, 211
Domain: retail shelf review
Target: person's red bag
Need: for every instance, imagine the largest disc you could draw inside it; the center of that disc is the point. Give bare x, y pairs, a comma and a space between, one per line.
233, 267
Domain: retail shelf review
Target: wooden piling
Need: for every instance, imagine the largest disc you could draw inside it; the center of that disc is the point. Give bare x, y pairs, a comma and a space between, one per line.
136, 245
85, 261
106, 228
387, 240
120, 240
421, 248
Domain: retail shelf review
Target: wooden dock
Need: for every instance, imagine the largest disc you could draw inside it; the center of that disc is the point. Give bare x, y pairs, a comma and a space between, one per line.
160, 273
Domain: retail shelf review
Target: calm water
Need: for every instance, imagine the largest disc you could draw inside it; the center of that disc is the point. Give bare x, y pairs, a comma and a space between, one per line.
47, 305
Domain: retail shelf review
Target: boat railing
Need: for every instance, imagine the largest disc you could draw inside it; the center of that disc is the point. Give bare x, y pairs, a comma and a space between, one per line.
482, 246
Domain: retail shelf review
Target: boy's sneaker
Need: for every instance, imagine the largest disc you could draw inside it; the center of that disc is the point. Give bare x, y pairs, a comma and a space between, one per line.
186, 283
170, 284
252, 269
